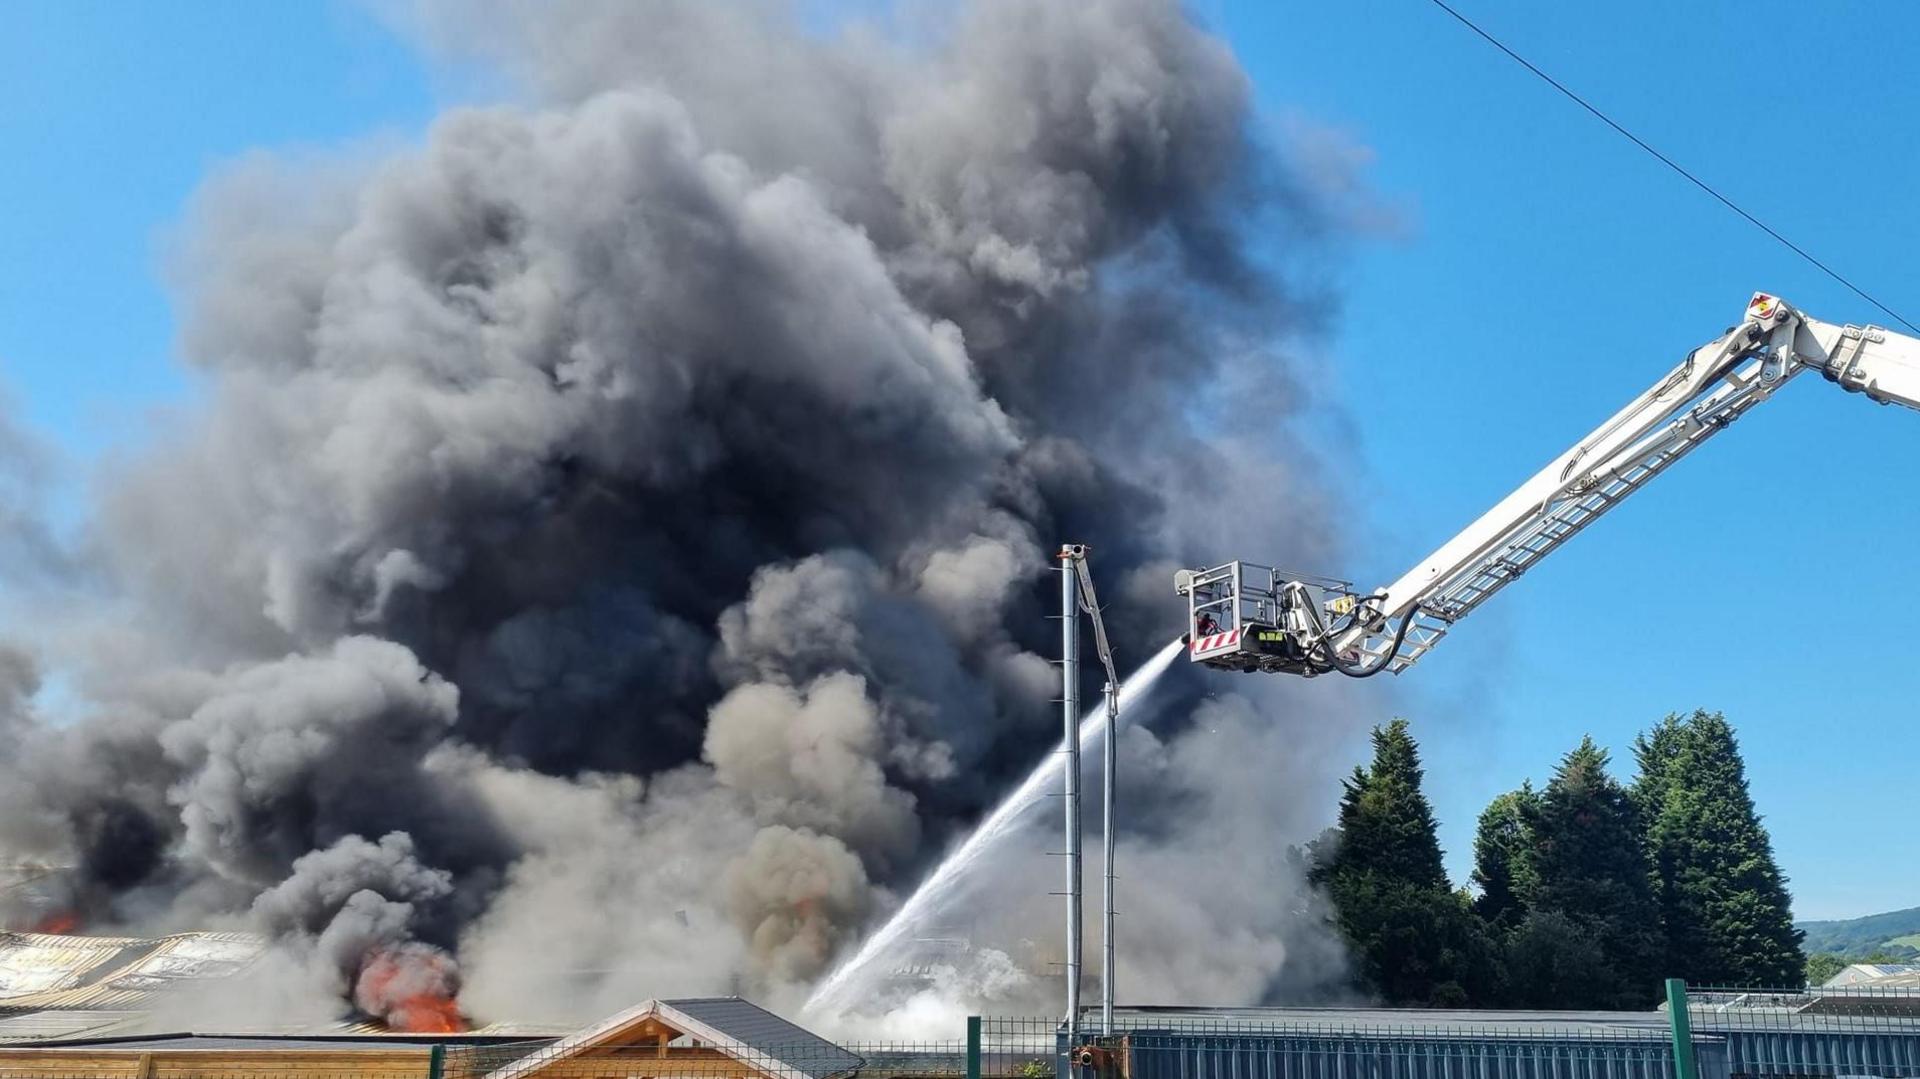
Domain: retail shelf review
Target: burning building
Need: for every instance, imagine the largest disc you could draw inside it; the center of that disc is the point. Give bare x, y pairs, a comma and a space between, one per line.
57, 985
607, 555
703, 1038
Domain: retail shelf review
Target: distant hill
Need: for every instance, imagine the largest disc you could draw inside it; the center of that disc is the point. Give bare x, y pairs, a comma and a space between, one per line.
1893, 931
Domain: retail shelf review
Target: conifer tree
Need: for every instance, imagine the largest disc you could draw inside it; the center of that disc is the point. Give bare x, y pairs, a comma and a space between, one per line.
1503, 858
1550, 962
1723, 899
1414, 940
1593, 870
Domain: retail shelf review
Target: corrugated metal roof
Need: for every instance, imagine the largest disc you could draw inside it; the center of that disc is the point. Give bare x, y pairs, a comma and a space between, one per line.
48, 972
38, 962
42, 1026
190, 956
80, 998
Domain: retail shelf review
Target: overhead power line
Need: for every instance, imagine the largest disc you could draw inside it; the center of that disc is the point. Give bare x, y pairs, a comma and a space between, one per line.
1675, 166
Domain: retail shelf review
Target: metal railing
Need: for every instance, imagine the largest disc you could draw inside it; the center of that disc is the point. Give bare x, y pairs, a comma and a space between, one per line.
1347, 1044
1837, 1008
1815, 1032
1720, 1034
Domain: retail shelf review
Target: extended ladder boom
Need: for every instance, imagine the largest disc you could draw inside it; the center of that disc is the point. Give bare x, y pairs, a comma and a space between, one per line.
1280, 622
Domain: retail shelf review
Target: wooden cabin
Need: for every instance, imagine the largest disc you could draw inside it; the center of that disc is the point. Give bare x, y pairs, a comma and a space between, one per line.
694, 1038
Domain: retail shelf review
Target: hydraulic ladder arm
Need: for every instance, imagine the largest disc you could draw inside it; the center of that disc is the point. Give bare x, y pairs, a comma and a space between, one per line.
1247, 617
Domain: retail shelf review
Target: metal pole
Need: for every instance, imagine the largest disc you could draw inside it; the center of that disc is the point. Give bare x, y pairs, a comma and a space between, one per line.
1684, 1064
1111, 765
1070, 717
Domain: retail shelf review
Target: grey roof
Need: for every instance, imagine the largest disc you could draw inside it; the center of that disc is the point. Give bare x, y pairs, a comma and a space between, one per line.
49, 971
757, 1028
29, 1027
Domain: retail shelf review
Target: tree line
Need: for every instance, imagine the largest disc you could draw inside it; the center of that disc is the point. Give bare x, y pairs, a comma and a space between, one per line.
1586, 893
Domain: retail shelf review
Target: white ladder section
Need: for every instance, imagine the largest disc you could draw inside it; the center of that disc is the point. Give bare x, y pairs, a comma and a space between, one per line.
1582, 502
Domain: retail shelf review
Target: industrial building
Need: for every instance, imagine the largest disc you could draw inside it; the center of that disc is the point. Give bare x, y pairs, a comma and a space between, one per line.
1887, 975
59, 985
69, 986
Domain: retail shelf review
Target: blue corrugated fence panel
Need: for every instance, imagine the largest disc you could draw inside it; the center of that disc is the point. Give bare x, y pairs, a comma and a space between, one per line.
1725, 1054
1155, 1055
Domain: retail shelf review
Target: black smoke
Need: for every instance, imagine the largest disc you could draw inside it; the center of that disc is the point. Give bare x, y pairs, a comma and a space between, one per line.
641, 498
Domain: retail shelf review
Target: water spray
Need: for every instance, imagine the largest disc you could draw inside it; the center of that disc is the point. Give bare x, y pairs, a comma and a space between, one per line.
840, 988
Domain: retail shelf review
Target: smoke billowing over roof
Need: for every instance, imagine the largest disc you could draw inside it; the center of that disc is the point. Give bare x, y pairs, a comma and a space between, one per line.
611, 556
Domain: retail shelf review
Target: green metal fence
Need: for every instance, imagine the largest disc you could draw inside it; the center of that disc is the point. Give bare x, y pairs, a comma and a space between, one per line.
1700, 1034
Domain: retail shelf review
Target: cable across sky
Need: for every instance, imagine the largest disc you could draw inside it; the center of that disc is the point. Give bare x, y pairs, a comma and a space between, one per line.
1675, 166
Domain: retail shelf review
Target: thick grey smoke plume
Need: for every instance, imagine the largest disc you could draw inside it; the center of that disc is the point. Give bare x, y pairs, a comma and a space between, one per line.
614, 546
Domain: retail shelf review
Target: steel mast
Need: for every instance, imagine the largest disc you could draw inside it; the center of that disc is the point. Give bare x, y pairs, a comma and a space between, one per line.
1077, 595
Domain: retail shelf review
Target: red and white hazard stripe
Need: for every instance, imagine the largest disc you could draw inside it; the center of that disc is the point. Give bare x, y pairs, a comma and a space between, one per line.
1214, 642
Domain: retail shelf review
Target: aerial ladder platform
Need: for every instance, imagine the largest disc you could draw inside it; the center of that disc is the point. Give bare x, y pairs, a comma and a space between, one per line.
1244, 616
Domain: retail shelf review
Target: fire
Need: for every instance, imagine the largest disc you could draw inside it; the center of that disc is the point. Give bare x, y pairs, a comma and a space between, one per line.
411, 987
427, 1015
59, 923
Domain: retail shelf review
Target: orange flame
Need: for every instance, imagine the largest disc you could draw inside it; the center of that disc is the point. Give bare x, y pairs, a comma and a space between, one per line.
59, 923
411, 987
427, 1015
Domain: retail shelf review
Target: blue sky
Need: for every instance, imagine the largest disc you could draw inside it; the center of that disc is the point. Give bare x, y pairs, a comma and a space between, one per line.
1542, 272
114, 112
1548, 272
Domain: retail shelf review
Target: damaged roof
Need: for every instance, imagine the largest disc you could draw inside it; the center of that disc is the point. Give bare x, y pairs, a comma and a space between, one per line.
47, 972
